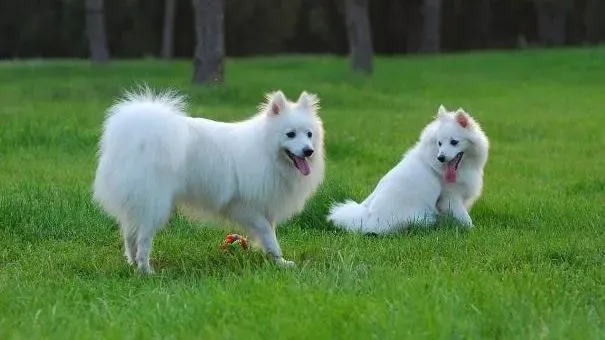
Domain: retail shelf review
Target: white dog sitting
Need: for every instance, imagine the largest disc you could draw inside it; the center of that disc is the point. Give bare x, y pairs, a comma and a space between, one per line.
442, 173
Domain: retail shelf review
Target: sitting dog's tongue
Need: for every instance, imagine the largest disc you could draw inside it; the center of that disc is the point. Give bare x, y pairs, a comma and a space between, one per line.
450, 171
302, 165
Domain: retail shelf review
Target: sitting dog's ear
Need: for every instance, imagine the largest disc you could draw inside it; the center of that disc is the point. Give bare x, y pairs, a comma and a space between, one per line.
441, 111
462, 118
275, 102
308, 101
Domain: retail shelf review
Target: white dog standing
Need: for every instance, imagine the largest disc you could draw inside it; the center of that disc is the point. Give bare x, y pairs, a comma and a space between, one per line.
442, 173
257, 172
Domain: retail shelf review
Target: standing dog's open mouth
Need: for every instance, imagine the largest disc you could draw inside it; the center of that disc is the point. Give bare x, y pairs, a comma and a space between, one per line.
300, 163
451, 167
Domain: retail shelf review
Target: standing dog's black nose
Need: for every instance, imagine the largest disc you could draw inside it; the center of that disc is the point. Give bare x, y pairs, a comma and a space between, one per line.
441, 158
307, 152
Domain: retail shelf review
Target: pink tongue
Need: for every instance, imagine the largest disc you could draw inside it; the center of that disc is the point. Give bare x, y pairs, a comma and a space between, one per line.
450, 171
302, 165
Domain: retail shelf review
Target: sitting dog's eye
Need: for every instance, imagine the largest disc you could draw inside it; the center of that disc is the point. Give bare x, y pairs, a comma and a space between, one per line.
309, 134
454, 142
291, 134
439, 143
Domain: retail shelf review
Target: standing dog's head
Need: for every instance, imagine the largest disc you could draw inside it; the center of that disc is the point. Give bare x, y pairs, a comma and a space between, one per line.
297, 128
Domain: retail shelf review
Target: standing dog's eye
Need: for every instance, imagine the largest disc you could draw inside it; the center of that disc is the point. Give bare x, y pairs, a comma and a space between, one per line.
291, 134
439, 143
454, 142
309, 134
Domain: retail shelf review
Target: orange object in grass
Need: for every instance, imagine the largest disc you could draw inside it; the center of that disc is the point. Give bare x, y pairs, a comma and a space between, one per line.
232, 240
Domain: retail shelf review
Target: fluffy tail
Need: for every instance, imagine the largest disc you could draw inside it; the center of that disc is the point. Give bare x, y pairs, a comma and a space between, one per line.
145, 99
351, 216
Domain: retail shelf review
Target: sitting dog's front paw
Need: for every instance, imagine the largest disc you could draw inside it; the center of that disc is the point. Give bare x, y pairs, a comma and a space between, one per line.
466, 222
464, 218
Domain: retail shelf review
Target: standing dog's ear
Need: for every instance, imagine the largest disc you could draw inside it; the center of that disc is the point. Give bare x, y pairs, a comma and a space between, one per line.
462, 118
441, 111
275, 103
308, 101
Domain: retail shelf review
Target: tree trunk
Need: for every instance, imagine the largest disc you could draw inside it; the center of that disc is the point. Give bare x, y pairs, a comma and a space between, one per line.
431, 27
552, 21
210, 44
359, 35
95, 29
594, 19
412, 18
168, 31
484, 23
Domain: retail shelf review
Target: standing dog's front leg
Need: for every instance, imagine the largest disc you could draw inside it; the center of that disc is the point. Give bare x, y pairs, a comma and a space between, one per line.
455, 206
265, 233
262, 230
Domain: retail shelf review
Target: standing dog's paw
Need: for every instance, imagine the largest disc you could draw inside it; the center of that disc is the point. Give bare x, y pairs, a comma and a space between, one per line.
145, 268
281, 262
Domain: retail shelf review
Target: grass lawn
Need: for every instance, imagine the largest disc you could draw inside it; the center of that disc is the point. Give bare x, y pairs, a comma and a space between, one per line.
534, 266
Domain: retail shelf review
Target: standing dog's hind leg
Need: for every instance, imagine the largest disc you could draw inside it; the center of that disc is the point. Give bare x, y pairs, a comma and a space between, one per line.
130, 247
144, 244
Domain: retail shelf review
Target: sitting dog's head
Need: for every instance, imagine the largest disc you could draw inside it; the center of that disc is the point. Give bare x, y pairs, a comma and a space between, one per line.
458, 138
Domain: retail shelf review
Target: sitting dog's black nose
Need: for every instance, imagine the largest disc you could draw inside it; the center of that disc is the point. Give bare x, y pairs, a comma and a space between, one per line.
307, 152
441, 158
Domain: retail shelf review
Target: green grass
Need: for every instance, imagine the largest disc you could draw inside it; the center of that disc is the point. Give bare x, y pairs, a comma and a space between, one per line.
532, 268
